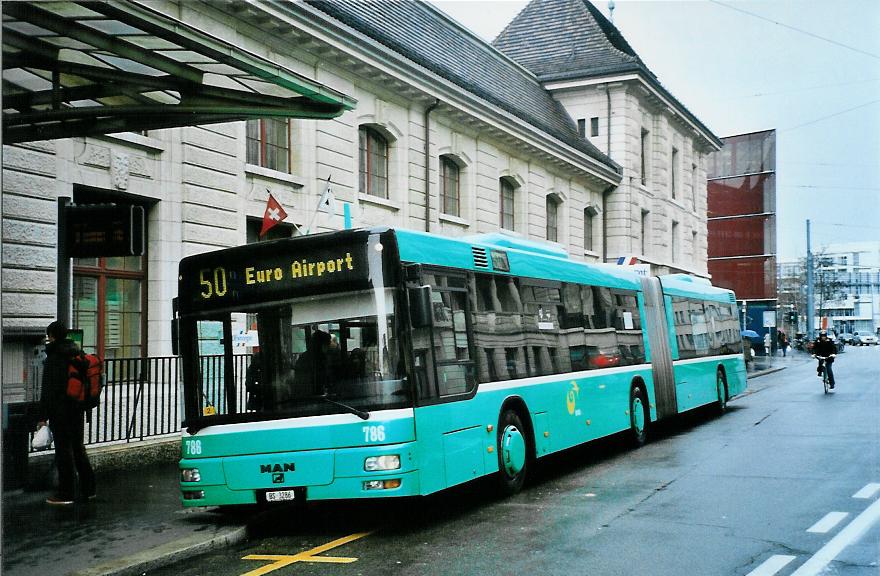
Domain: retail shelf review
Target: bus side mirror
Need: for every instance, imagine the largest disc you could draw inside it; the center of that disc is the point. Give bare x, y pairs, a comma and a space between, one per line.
421, 312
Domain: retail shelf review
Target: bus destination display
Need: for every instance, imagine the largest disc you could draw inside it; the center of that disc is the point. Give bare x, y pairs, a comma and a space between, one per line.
244, 275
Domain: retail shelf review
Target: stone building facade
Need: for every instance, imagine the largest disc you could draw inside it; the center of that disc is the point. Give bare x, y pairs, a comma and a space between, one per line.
448, 112
658, 212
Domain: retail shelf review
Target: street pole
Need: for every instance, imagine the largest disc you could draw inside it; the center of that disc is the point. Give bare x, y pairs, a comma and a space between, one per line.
63, 277
810, 321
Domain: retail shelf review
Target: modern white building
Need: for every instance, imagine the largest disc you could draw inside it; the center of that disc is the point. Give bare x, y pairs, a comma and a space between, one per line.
854, 267
449, 134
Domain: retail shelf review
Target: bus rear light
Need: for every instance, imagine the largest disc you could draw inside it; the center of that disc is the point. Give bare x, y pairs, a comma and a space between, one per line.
382, 484
390, 462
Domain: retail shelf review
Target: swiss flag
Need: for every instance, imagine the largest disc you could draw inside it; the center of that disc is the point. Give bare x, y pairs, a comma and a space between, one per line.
273, 215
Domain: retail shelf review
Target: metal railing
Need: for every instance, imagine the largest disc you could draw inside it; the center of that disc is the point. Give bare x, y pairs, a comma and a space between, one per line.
214, 391
141, 399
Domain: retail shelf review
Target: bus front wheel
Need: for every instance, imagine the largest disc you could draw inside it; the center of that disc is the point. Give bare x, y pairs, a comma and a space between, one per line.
638, 415
513, 462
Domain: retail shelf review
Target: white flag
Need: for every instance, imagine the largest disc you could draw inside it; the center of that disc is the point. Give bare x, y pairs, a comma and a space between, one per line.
327, 203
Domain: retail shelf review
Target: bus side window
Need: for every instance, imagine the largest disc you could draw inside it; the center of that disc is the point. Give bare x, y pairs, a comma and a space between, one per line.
420, 372
449, 342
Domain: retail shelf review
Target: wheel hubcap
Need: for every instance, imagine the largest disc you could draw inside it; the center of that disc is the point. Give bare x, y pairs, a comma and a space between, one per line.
513, 450
638, 415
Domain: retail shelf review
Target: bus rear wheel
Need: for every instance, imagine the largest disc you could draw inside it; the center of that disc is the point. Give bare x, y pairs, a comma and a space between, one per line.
638, 415
721, 387
513, 461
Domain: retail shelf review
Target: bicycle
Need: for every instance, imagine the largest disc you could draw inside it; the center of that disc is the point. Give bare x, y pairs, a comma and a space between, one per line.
825, 381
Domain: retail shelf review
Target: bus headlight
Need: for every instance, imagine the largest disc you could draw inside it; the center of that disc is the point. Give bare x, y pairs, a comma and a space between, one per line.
389, 462
190, 475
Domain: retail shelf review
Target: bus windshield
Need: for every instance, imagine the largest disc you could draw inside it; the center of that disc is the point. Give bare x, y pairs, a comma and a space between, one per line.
315, 355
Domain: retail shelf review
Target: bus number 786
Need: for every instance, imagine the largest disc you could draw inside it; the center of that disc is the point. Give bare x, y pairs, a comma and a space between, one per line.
374, 433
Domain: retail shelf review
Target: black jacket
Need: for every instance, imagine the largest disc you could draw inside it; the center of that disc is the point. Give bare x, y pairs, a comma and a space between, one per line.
826, 348
55, 406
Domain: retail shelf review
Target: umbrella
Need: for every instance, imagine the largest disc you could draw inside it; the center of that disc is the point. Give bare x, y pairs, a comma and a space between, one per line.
750, 334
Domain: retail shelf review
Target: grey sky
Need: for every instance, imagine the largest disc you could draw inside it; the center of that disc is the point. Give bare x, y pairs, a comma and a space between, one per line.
810, 69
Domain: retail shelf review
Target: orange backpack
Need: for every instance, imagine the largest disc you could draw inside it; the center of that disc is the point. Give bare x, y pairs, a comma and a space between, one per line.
85, 380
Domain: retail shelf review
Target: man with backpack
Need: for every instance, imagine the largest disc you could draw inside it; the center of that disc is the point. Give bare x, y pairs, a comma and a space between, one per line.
65, 416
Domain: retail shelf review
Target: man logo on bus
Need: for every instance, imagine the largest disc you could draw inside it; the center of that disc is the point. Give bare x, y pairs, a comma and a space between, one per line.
275, 468
572, 397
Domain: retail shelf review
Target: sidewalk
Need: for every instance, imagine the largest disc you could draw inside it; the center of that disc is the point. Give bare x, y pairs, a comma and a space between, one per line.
763, 365
135, 523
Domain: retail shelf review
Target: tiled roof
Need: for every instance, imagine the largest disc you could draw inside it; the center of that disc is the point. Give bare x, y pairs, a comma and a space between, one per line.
558, 39
425, 36
571, 39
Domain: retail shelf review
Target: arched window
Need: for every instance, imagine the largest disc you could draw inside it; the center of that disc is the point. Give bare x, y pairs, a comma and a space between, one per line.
450, 186
505, 205
552, 218
373, 162
588, 228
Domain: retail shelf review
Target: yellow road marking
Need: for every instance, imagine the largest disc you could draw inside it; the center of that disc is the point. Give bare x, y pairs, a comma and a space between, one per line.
280, 561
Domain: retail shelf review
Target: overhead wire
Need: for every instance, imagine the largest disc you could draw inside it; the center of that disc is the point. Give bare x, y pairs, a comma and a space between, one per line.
796, 29
808, 123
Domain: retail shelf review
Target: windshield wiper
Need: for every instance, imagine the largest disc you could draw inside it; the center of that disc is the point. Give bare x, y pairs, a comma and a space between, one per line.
351, 409
359, 413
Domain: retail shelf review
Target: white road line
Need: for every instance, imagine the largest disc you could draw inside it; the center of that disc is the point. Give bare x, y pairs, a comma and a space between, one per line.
868, 491
830, 520
771, 565
852, 532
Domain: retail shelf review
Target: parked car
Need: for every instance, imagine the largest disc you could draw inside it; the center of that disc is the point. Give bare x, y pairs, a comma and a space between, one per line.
864, 339
846, 337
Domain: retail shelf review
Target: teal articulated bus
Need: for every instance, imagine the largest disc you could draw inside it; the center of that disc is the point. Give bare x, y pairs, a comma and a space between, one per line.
382, 363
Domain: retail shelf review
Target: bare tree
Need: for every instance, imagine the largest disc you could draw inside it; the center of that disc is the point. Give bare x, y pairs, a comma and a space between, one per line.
792, 282
827, 286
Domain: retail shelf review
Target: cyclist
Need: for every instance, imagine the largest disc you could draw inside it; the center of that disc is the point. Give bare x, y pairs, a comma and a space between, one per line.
825, 351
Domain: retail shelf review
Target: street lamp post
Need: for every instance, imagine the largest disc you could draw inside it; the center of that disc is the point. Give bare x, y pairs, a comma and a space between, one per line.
810, 321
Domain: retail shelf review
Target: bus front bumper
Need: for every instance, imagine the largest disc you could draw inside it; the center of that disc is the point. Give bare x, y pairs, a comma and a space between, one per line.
313, 475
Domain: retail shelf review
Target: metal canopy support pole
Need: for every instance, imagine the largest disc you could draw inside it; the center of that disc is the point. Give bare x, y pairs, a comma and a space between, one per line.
810, 321
63, 276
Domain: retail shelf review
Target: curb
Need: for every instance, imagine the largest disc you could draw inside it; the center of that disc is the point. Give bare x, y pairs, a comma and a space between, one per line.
765, 372
160, 556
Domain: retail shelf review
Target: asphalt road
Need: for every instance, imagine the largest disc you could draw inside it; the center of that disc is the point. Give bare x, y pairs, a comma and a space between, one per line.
786, 482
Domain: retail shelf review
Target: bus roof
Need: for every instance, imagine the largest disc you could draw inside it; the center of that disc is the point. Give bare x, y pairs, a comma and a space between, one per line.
691, 287
534, 259
505, 254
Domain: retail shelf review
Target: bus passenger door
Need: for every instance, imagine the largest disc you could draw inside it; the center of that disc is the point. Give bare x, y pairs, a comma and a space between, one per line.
450, 438
659, 335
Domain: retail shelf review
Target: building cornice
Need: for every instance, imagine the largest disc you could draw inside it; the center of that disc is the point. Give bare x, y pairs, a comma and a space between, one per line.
653, 88
327, 36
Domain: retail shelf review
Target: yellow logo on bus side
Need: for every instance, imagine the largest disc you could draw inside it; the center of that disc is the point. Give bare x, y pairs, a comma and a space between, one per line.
572, 397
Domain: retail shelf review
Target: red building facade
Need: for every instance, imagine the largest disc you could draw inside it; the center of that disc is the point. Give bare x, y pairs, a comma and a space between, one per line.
742, 220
